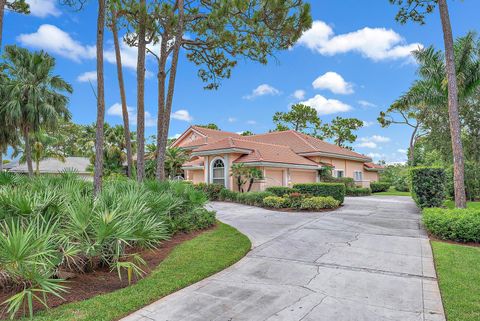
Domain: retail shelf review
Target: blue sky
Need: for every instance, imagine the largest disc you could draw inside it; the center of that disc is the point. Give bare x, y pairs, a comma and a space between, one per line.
354, 62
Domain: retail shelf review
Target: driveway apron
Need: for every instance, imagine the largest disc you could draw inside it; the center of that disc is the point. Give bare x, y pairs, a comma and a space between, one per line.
369, 260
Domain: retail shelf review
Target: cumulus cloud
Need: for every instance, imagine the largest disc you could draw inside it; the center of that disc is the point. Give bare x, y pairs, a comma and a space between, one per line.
88, 76
376, 156
367, 123
333, 82
299, 94
366, 104
182, 114
53, 39
263, 90
43, 8
402, 151
116, 110
325, 106
372, 141
373, 43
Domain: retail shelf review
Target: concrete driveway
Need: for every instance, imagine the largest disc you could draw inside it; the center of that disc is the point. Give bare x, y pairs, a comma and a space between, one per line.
369, 260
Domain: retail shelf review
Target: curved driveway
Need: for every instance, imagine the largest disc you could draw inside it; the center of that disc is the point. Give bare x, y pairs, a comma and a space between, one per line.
368, 261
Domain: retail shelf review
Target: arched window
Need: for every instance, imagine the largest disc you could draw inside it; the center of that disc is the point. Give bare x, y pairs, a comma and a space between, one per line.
218, 171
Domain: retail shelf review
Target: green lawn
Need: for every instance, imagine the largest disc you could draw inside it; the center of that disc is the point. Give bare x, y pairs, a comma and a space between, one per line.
474, 205
459, 279
188, 263
393, 192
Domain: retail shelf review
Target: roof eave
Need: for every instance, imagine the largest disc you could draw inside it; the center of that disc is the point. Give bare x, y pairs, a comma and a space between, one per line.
222, 151
191, 168
282, 165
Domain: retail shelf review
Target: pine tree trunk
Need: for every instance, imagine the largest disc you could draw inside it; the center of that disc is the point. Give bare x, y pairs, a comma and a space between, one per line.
1, 160
28, 152
2, 12
171, 87
162, 75
121, 85
141, 92
99, 135
453, 113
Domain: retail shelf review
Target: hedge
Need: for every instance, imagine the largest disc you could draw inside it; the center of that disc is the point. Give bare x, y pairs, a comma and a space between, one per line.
461, 225
377, 187
428, 186
335, 190
359, 191
281, 190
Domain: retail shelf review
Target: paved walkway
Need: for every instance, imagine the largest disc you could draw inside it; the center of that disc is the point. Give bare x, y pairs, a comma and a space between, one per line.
368, 261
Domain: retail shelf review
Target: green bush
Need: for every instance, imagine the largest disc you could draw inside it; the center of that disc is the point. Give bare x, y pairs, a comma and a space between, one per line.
348, 181
359, 191
211, 190
472, 181
294, 200
275, 202
461, 225
281, 190
377, 187
319, 202
401, 183
335, 190
428, 186
228, 195
253, 198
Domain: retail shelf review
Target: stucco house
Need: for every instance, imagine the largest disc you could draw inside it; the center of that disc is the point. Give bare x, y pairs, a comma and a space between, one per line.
54, 166
285, 158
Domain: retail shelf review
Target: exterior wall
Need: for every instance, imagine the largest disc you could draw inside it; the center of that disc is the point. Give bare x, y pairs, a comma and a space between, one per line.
187, 139
371, 176
274, 177
298, 176
196, 176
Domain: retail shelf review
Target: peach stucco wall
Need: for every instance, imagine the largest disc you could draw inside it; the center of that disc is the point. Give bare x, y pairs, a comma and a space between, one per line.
297, 176
195, 176
273, 177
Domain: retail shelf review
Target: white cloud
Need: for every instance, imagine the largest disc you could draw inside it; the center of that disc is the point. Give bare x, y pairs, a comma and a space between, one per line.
251, 122
128, 54
372, 43
376, 156
43, 8
299, 94
55, 40
333, 82
182, 114
366, 104
367, 145
231, 119
380, 139
116, 110
263, 90
88, 76
402, 151
176, 136
367, 123
326, 106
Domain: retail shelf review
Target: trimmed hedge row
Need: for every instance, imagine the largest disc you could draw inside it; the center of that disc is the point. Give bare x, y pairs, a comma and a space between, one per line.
461, 225
377, 187
359, 191
428, 186
281, 190
335, 190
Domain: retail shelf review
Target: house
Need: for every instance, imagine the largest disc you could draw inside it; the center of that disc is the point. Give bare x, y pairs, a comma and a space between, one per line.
285, 158
78, 165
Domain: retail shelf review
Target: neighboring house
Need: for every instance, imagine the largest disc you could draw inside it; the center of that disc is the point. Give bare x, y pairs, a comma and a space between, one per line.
55, 166
285, 158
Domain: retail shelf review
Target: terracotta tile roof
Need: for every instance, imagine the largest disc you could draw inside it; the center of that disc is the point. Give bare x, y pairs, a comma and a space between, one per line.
373, 166
302, 143
209, 136
194, 162
259, 152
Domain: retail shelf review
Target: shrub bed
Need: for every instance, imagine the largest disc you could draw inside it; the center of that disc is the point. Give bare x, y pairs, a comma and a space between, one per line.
428, 186
281, 190
335, 190
377, 187
319, 202
358, 191
252, 198
461, 225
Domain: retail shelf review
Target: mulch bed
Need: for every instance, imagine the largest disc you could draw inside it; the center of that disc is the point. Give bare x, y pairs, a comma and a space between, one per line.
102, 280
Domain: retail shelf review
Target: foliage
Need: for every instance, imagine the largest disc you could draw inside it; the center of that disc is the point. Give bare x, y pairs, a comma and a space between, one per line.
175, 157
428, 186
275, 202
301, 118
210, 126
228, 195
252, 198
392, 192
243, 174
341, 130
379, 186
212, 191
472, 181
458, 278
336, 190
188, 263
347, 181
358, 191
461, 225
401, 183
294, 200
281, 190
247, 133
414, 10
51, 223
319, 202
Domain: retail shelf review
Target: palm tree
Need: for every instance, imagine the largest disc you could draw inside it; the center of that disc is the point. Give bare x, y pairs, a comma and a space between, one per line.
35, 97
118, 57
43, 147
174, 159
99, 134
